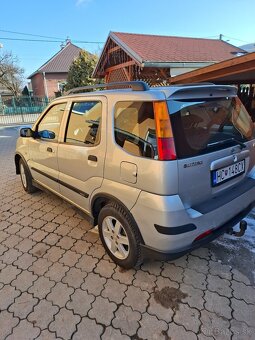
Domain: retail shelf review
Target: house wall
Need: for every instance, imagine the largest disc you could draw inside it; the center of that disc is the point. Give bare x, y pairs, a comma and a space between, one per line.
52, 80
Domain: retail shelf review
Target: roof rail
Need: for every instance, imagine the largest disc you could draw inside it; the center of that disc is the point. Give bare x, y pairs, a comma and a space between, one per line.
135, 86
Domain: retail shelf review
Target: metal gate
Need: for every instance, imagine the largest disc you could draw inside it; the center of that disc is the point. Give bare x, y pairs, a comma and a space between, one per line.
19, 110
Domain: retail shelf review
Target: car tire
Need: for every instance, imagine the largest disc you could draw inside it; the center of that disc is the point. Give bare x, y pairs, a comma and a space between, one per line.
120, 235
26, 178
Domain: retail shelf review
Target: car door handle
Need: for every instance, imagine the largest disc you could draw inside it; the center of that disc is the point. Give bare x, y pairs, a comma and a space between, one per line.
92, 158
49, 149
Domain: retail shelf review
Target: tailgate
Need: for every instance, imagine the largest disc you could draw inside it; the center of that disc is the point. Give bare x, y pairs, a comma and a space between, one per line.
214, 140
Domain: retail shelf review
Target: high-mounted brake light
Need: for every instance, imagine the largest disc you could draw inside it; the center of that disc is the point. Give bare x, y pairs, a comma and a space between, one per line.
165, 139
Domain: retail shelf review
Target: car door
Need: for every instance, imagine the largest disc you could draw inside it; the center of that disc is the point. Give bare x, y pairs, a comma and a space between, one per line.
43, 151
81, 155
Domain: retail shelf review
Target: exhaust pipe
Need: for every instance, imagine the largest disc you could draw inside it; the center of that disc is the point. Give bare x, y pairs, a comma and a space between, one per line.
241, 232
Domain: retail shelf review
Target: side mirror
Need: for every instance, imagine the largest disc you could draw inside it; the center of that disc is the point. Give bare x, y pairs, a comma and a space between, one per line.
26, 132
46, 134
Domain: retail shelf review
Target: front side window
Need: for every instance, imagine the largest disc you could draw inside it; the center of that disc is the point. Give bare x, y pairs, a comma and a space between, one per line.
84, 123
134, 128
206, 125
52, 120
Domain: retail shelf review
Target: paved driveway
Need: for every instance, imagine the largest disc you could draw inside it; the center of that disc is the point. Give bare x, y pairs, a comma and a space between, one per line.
57, 282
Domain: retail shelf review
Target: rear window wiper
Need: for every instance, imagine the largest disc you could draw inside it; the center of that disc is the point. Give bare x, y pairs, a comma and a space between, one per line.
225, 141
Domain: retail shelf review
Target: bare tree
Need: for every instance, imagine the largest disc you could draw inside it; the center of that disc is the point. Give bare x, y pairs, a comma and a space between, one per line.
11, 75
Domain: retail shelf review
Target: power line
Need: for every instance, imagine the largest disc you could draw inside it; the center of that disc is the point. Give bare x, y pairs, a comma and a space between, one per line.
43, 40
30, 34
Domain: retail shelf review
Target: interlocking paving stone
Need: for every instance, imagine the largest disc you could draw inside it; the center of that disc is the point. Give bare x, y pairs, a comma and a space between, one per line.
124, 276
145, 281
7, 323
217, 304
172, 272
214, 325
10, 256
194, 296
152, 267
51, 239
39, 249
25, 245
238, 276
25, 261
198, 264
94, 283
192, 277
81, 247
152, 328
43, 314
80, 302
25, 330
241, 331
88, 330
219, 285
65, 323
113, 334
222, 270
105, 268
74, 277
187, 317
24, 280
243, 312
87, 263
56, 272
179, 332
114, 291
46, 335
244, 292
41, 287
54, 254
102, 310
9, 273
40, 266
23, 305
127, 320
136, 299
70, 258
60, 294
159, 311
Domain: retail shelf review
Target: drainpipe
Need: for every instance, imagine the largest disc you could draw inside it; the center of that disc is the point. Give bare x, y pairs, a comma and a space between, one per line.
45, 85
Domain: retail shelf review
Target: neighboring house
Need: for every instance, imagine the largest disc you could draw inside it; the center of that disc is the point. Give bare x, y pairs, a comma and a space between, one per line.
156, 58
249, 47
49, 79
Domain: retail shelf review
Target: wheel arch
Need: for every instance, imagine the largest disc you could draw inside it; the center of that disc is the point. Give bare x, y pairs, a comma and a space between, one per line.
102, 199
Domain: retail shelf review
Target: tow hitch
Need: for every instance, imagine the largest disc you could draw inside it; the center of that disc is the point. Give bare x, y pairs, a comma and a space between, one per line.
241, 232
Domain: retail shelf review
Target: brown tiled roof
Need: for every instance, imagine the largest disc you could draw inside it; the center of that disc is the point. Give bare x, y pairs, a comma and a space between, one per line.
157, 48
61, 61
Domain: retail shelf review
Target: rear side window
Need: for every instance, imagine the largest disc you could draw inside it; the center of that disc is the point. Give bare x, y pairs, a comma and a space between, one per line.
134, 128
84, 123
206, 125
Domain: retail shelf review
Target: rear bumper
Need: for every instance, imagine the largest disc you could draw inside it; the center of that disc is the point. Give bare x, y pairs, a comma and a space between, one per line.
149, 252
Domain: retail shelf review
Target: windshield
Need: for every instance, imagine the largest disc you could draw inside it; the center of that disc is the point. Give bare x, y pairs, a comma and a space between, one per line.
202, 126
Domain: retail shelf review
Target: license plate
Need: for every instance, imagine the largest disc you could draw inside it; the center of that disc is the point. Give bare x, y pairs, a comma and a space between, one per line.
225, 174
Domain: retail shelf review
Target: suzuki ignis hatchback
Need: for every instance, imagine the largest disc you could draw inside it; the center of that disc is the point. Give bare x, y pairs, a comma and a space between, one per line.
161, 171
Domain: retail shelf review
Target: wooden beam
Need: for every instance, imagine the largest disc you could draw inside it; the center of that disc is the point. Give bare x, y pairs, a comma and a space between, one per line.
113, 49
126, 73
116, 67
225, 68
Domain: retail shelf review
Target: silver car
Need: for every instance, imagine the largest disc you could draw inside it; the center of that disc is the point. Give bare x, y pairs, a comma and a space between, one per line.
161, 171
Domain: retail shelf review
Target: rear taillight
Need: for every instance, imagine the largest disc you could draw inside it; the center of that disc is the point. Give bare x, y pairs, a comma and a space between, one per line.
165, 139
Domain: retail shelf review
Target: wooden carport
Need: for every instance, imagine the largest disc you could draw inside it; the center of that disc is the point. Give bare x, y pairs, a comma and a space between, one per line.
237, 71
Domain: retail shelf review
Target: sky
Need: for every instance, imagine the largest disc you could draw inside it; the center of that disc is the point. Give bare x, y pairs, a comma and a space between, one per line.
92, 20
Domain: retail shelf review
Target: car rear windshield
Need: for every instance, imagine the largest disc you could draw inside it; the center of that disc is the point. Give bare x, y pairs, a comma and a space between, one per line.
204, 125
